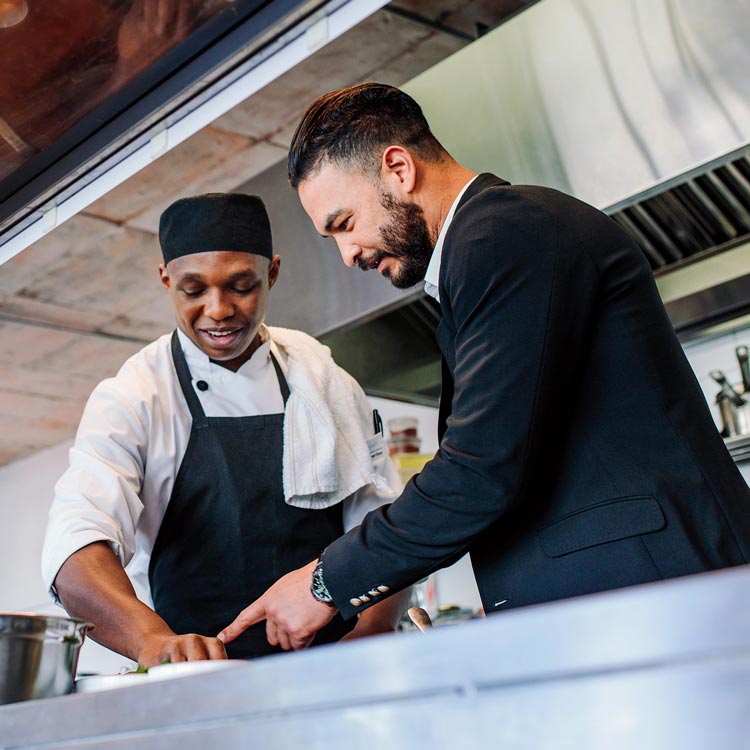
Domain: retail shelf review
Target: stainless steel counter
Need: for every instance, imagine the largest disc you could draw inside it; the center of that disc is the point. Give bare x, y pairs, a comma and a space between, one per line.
661, 666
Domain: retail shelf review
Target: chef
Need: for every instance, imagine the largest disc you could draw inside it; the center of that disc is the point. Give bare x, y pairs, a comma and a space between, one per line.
220, 457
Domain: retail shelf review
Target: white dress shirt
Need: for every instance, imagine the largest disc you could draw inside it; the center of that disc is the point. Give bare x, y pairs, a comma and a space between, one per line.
130, 443
432, 276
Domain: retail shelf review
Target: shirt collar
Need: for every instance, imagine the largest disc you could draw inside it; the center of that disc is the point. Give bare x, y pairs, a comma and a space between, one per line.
432, 276
199, 362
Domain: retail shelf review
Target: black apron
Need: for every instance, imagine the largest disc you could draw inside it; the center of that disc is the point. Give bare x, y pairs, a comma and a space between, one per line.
227, 533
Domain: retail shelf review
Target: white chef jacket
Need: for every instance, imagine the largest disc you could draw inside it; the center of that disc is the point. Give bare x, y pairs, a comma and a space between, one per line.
130, 443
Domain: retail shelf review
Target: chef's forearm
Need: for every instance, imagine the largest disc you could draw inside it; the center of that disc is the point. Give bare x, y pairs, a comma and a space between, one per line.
93, 585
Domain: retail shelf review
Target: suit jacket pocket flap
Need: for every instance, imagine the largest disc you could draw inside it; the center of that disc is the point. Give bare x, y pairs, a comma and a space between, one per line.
608, 522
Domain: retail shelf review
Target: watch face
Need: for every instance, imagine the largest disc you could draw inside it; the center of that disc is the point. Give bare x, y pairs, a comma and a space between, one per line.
318, 587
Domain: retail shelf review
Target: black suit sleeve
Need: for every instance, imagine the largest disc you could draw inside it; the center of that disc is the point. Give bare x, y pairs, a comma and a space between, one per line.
518, 293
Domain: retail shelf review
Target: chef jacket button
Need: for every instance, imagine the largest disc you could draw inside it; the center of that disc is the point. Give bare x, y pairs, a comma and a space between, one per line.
355, 602
384, 589
202, 385
373, 592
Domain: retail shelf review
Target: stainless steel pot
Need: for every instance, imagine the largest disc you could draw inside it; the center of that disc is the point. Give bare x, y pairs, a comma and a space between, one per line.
38, 655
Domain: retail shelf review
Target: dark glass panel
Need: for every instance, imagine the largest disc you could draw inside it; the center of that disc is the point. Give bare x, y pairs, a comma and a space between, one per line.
59, 59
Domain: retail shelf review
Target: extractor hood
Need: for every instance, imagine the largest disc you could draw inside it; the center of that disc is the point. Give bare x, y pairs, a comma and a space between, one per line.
603, 99
639, 107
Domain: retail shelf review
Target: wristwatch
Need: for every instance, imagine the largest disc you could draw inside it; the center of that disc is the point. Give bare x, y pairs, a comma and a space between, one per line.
318, 587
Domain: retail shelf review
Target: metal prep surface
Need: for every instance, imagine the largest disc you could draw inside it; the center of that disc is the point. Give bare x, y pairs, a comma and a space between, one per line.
657, 666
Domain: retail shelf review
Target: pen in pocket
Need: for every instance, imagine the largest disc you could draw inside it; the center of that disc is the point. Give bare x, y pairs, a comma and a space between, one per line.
377, 422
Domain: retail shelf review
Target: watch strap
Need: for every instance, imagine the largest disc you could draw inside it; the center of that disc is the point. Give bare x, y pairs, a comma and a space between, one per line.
318, 587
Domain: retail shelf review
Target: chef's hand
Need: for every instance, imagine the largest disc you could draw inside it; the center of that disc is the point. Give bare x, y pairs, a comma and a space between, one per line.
161, 648
292, 614
93, 585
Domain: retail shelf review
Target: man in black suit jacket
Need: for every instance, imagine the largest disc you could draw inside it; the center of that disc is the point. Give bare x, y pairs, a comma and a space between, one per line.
577, 452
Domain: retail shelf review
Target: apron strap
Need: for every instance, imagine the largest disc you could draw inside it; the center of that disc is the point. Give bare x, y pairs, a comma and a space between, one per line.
186, 380
283, 385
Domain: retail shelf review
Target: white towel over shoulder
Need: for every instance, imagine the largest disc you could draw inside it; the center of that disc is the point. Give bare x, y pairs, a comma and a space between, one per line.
329, 441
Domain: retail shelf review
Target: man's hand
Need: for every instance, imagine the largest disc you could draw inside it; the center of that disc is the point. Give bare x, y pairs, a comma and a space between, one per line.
293, 615
162, 648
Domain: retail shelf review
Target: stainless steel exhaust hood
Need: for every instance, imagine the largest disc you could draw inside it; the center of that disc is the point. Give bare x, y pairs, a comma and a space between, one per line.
604, 99
639, 107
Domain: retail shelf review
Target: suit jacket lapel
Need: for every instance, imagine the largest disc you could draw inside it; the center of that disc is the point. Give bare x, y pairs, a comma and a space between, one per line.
444, 334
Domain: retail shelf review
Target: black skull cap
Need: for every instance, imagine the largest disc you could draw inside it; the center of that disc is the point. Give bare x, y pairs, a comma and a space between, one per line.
215, 221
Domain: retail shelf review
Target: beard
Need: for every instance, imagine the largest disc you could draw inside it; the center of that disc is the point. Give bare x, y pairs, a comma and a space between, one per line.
406, 238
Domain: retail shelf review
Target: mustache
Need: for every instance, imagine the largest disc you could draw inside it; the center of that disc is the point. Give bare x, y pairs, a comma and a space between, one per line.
372, 261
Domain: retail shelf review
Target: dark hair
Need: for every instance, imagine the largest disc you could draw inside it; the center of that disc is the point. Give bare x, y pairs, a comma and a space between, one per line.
354, 125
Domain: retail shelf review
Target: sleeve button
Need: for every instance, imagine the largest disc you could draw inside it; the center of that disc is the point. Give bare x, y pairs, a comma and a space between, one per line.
384, 589
355, 602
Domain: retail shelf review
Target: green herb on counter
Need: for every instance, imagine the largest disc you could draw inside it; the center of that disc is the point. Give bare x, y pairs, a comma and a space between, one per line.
144, 670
